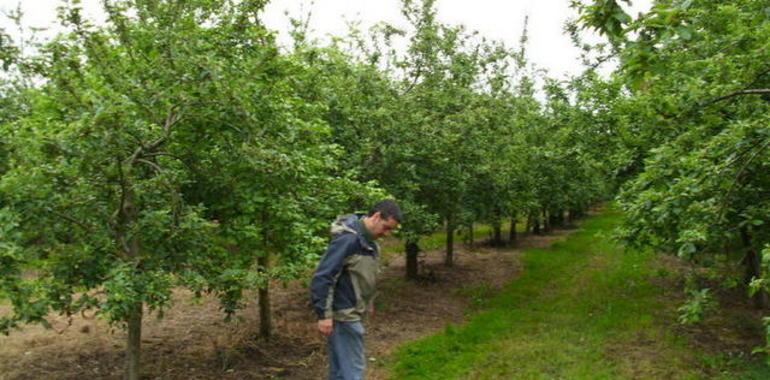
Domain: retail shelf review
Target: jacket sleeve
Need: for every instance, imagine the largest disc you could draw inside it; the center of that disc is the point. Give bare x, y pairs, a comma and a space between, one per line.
325, 276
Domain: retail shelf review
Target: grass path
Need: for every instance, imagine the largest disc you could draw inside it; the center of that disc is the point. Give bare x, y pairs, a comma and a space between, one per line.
582, 309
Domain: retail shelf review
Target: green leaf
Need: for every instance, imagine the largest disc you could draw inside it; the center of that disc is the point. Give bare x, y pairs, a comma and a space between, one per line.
684, 32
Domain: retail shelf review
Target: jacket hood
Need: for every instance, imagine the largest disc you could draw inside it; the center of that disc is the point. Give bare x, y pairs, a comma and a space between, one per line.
351, 223
346, 224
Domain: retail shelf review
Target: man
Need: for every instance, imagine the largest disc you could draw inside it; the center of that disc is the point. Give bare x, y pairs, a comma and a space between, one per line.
343, 286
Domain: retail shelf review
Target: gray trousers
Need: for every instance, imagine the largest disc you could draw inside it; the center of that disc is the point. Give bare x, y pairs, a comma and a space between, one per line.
346, 351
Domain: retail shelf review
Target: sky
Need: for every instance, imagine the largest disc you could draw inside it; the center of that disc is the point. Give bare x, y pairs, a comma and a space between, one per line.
548, 48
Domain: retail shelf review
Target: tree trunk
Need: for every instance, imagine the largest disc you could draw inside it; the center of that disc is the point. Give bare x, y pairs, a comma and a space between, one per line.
753, 263
127, 216
546, 222
450, 245
471, 237
134, 342
557, 218
528, 227
535, 224
497, 238
412, 249
265, 315
512, 232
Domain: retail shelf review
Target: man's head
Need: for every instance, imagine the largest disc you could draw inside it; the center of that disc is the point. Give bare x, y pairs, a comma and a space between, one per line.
383, 218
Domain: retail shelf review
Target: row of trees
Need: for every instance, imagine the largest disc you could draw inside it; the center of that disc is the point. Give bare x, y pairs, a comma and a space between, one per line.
178, 145
689, 113
452, 128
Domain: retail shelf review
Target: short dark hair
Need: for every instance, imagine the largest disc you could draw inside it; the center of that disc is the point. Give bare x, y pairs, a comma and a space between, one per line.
387, 208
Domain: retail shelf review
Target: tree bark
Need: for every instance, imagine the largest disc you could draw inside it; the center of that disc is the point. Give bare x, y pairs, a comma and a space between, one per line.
134, 342
536, 224
512, 232
497, 238
265, 314
412, 249
450, 244
753, 263
557, 218
471, 237
127, 215
547, 222
529, 226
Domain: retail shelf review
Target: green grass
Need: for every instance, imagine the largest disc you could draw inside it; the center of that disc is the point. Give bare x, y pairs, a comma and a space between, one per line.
582, 309
437, 240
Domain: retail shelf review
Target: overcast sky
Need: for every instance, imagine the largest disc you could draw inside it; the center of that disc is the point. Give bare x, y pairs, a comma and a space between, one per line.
548, 48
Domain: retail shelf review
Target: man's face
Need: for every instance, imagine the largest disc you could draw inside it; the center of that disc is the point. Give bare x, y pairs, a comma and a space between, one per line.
382, 227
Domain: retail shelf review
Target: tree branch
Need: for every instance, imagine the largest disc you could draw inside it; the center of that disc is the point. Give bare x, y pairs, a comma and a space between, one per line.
71, 220
415, 78
156, 154
150, 163
726, 197
752, 91
171, 119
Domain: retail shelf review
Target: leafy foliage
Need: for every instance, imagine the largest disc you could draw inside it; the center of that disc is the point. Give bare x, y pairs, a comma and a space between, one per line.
692, 117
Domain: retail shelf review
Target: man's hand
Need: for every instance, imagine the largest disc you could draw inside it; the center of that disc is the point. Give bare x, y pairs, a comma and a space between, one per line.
325, 326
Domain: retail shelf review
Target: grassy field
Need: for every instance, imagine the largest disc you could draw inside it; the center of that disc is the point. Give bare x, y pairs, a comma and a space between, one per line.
437, 240
582, 309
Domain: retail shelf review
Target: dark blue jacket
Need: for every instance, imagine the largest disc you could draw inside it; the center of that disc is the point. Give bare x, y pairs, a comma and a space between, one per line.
344, 281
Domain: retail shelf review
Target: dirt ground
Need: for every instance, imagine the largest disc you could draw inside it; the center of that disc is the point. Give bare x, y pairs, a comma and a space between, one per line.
730, 332
193, 341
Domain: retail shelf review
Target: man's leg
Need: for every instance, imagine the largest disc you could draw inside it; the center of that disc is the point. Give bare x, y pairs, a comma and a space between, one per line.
334, 366
347, 344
